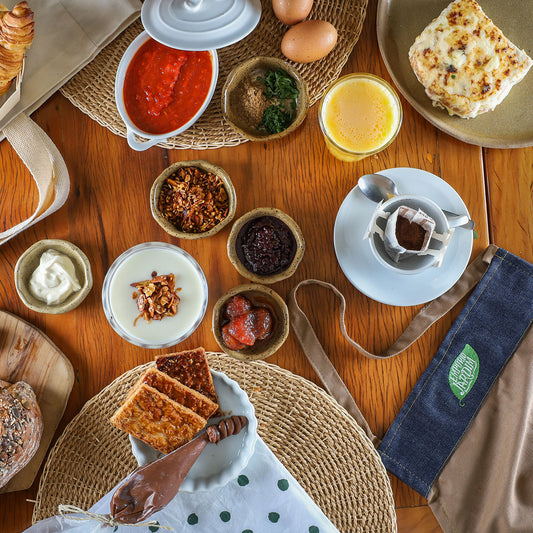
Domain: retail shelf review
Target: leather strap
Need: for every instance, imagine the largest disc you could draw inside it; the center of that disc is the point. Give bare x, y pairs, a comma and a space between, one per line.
427, 316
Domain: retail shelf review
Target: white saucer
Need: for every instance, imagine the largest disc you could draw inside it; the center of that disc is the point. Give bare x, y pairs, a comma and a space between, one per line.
375, 280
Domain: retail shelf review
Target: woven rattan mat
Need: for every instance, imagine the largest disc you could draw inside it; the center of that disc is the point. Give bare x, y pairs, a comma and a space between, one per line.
316, 439
93, 88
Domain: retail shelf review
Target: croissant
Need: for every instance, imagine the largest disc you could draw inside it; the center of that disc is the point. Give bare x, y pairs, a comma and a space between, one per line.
16, 34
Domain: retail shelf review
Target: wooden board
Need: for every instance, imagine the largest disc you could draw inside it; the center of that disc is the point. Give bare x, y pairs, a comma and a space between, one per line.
27, 354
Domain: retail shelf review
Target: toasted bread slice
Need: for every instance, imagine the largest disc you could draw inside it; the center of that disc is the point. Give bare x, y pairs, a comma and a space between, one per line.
190, 368
465, 62
154, 418
178, 392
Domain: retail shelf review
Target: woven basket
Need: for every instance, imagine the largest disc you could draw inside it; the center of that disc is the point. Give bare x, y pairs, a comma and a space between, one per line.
93, 88
315, 438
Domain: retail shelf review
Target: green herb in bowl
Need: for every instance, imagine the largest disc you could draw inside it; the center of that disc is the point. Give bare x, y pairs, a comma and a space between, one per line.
264, 98
276, 118
278, 84
281, 92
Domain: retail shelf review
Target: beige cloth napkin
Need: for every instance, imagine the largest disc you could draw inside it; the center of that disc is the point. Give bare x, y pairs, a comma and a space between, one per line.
68, 35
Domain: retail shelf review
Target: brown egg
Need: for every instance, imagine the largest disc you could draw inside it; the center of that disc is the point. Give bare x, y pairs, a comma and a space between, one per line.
308, 41
291, 11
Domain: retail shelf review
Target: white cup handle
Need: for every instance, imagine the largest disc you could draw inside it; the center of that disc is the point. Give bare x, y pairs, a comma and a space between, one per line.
137, 145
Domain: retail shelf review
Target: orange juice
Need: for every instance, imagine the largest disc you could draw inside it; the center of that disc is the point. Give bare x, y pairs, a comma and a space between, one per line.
359, 115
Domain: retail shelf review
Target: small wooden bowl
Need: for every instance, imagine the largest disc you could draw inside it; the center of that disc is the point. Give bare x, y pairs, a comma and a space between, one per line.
254, 67
170, 228
234, 237
29, 261
260, 296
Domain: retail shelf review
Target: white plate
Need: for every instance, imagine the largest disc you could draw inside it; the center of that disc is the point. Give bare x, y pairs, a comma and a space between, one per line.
218, 463
375, 280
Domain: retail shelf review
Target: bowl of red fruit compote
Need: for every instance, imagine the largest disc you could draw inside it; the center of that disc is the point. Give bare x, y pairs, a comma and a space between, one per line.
250, 322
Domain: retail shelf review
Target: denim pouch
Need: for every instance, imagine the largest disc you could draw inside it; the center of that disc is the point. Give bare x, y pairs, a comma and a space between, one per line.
464, 436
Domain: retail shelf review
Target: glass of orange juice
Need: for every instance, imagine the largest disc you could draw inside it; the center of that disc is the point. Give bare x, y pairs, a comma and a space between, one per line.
359, 115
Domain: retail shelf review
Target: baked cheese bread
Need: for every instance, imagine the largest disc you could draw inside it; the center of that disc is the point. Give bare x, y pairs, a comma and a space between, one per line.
465, 63
154, 418
178, 392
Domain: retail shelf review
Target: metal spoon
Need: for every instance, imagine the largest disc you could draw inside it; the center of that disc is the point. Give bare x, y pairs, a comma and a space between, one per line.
377, 188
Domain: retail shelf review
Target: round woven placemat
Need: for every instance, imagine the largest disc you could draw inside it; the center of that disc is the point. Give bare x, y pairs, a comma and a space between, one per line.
93, 88
316, 439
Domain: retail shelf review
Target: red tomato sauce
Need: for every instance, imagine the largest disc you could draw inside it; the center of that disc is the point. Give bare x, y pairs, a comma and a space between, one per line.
164, 87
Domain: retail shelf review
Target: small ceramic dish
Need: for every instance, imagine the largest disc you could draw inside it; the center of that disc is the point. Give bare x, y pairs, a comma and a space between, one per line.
29, 261
119, 297
218, 463
166, 224
259, 296
131, 129
234, 88
238, 236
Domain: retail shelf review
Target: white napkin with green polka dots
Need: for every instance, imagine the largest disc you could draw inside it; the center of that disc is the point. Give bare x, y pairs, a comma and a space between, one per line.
264, 498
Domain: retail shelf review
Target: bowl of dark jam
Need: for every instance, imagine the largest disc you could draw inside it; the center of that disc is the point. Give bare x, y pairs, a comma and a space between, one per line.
250, 322
266, 245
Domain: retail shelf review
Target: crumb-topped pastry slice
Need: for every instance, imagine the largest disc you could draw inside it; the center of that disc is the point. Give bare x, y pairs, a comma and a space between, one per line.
154, 418
191, 368
178, 392
465, 62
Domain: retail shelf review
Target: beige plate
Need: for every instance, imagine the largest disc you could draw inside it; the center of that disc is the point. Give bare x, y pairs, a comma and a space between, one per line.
510, 125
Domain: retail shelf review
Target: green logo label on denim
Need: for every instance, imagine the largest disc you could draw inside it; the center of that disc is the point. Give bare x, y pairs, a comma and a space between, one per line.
463, 373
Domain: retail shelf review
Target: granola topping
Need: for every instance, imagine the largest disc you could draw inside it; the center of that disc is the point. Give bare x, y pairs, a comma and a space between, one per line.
156, 297
193, 200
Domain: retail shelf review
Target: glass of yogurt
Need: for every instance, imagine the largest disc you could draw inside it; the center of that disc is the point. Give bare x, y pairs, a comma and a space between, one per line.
139, 263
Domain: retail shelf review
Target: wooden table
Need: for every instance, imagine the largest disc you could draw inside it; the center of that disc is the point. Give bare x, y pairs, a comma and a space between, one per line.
108, 212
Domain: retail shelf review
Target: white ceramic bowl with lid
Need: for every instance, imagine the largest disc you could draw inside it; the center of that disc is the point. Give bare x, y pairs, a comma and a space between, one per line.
138, 264
133, 131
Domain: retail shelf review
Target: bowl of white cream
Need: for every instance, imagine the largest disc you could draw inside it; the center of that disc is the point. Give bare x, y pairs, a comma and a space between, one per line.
53, 276
144, 264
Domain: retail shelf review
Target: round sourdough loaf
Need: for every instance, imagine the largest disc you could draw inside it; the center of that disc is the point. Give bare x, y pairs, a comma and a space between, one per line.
21, 427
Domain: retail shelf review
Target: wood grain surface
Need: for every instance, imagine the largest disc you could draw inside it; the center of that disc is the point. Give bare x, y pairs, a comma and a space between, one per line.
108, 211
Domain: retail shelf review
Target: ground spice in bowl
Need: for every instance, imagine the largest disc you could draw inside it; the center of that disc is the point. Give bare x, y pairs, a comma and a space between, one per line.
251, 96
